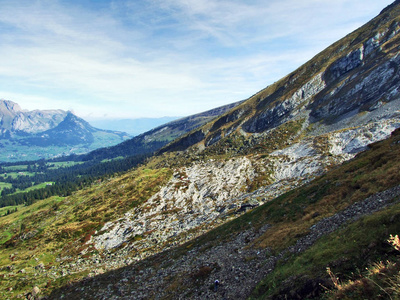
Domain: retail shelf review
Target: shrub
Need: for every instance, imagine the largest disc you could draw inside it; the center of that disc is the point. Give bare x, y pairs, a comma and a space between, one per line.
382, 280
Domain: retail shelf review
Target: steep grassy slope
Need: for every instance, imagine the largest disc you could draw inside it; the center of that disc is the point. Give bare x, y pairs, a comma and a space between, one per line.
45, 244
33, 238
286, 244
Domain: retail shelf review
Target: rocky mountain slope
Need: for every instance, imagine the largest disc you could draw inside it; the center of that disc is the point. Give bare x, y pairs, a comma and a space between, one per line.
14, 119
38, 134
293, 135
352, 83
237, 197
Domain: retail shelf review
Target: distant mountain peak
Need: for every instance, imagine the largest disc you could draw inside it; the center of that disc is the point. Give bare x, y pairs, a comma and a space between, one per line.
22, 131
14, 119
72, 118
9, 106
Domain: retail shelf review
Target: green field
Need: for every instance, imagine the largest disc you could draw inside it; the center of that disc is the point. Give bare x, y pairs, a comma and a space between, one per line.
15, 171
17, 174
16, 168
4, 185
38, 186
62, 164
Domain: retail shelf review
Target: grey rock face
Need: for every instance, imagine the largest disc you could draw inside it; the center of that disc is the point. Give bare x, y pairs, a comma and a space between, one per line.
287, 109
345, 64
360, 80
193, 197
14, 119
37, 121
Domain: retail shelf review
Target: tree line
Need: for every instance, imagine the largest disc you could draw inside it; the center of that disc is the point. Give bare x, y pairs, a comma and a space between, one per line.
69, 179
66, 180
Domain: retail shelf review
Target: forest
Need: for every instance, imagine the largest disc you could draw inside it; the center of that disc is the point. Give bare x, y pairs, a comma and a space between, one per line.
60, 181
24, 182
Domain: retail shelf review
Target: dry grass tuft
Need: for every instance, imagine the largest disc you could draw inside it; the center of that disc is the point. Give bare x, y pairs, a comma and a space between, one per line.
381, 280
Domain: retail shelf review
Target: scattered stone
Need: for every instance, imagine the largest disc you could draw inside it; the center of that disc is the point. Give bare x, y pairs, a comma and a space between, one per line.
35, 291
232, 263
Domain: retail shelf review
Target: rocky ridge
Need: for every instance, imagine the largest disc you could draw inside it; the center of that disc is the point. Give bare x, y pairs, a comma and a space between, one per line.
344, 86
14, 119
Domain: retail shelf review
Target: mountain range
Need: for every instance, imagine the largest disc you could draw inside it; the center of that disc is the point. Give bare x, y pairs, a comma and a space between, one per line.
273, 197
46, 134
43, 134
153, 140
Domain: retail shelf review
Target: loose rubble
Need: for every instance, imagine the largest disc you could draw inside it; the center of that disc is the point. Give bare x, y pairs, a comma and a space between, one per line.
237, 267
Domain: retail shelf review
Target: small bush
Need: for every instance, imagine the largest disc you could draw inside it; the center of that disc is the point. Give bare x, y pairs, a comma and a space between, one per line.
202, 273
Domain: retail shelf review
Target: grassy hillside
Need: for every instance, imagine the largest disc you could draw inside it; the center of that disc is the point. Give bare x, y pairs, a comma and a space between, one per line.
280, 248
35, 236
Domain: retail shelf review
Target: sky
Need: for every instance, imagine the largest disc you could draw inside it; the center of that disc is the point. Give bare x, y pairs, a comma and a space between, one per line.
121, 59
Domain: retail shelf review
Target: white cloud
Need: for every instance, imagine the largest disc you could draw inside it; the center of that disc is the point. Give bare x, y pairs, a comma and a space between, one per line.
156, 58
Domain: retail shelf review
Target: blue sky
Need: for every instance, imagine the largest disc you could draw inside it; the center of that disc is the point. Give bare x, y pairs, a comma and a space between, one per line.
153, 58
